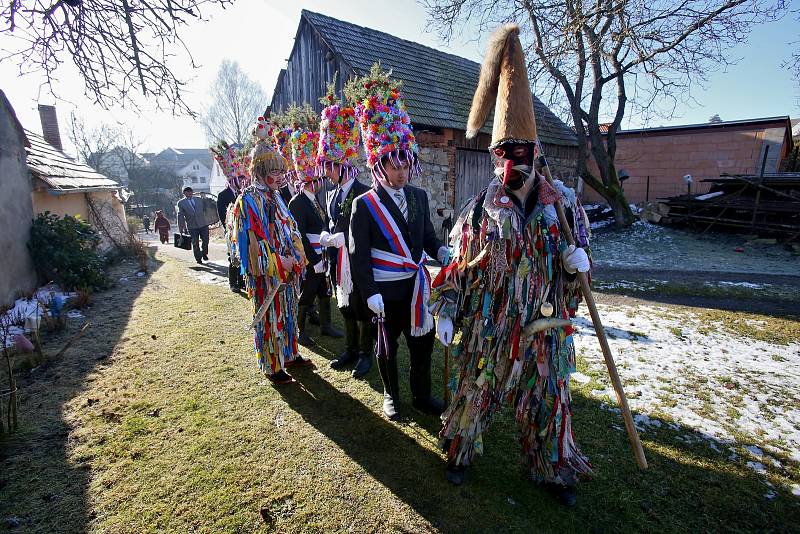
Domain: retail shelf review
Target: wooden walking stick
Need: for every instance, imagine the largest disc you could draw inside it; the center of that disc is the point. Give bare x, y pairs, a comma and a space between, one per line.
633, 436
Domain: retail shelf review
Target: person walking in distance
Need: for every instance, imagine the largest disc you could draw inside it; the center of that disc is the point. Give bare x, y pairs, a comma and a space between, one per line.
192, 222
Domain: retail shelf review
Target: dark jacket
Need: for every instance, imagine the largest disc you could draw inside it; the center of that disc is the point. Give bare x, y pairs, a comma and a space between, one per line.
286, 194
339, 223
225, 199
419, 235
308, 222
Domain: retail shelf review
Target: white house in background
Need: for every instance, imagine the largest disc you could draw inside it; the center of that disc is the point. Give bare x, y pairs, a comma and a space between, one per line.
197, 176
192, 165
218, 180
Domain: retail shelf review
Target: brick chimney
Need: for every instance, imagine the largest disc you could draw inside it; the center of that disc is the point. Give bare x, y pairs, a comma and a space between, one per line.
47, 114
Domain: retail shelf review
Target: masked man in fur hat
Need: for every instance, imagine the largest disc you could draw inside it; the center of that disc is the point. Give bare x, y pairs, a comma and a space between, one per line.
337, 159
311, 222
510, 289
390, 230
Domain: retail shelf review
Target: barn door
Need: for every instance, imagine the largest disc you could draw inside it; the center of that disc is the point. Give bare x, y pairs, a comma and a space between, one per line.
474, 170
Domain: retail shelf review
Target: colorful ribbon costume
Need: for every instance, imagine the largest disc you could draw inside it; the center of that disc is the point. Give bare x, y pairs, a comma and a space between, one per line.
263, 231
505, 267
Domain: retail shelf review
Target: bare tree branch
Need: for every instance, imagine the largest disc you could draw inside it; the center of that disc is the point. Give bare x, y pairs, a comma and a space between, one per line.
593, 59
120, 49
236, 103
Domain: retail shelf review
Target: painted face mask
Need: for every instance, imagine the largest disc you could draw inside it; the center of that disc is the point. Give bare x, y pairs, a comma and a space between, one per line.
517, 162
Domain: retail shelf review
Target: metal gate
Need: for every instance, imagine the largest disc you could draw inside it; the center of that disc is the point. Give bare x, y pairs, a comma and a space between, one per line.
474, 170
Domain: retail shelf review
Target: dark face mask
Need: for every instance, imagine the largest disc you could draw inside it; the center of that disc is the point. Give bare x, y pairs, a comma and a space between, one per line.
514, 180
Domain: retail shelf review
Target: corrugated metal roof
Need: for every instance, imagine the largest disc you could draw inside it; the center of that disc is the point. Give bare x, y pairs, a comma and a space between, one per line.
438, 86
61, 172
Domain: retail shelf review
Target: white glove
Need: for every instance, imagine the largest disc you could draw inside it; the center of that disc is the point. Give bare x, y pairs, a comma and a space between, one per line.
325, 239
575, 259
320, 267
337, 240
444, 330
375, 303
442, 254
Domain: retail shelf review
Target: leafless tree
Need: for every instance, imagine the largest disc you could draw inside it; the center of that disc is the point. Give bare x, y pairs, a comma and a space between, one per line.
236, 103
120, 47
605, 57
95, 145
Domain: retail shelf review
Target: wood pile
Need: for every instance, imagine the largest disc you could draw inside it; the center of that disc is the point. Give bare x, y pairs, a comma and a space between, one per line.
767, 205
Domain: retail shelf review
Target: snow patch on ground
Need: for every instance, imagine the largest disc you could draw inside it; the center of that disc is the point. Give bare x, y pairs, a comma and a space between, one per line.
205, 277
650, 246
716, 382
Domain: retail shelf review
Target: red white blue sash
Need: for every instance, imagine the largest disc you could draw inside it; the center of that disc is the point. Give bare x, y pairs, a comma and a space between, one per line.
313, 239
400, 265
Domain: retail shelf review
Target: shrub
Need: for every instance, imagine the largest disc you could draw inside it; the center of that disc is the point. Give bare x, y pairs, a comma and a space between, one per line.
135, 224
64, 250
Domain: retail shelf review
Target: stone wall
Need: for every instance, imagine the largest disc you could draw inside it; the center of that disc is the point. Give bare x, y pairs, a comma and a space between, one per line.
437, 155
16, 212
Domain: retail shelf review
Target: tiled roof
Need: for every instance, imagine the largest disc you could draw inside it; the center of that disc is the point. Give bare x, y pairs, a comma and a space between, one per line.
59, 171
180, 157
438, 86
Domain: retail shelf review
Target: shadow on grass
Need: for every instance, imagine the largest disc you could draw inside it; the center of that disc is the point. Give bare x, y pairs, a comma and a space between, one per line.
42, 489
689, 486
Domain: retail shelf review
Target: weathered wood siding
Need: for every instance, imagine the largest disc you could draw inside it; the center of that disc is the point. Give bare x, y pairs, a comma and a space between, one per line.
311, 67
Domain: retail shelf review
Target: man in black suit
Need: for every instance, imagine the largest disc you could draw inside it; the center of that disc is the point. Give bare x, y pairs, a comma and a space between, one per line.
358, 335
393, 200
311, 223
225, 198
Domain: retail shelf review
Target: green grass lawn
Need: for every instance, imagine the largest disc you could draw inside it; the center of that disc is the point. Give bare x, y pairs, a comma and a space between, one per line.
158, 420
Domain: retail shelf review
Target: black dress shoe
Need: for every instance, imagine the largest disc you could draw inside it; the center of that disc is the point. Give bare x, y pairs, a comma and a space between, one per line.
344, 359
389, 408
234, 289
565, 495
280, 378
305, 340
200, 262
205, 257
430, 405
363, 366
455, 474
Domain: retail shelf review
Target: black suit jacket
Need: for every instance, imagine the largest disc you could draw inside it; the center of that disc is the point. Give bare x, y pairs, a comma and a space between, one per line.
224, 199
308, 222
365, 234
341, 224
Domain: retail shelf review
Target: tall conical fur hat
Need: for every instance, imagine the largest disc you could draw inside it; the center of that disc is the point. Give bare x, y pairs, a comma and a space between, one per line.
504, 82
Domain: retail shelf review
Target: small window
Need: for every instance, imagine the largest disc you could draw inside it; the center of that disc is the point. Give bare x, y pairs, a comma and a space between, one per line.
202, 179
194, 179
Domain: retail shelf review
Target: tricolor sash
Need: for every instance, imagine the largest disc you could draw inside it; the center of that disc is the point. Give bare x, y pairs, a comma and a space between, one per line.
313, 239
400, 265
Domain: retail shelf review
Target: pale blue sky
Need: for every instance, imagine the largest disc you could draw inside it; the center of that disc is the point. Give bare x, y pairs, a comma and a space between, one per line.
259, 34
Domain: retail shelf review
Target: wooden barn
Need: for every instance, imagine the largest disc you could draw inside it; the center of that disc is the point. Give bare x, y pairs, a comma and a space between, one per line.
438, 89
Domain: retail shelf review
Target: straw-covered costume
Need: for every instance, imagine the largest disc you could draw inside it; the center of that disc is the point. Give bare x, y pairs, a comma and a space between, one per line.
510, 289
390, 233
270, 252
338, 158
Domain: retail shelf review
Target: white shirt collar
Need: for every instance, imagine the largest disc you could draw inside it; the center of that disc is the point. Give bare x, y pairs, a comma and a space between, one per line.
311, 196
346, 187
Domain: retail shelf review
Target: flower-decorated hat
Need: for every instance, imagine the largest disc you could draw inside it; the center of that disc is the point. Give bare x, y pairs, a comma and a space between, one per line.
382, 118
234, 162
338, 135
297, 140
304, 154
